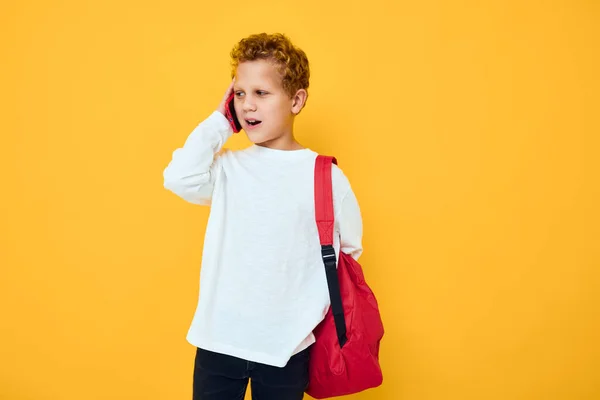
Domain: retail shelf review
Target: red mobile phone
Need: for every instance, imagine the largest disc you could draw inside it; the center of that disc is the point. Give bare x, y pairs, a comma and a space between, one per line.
231, 115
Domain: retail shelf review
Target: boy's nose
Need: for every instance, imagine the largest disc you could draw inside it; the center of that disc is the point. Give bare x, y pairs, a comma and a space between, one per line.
248, 106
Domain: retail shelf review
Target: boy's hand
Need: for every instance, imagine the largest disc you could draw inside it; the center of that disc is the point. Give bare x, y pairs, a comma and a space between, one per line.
221, 108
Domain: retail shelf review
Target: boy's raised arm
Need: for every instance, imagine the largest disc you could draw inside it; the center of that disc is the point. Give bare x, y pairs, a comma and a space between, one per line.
193, 167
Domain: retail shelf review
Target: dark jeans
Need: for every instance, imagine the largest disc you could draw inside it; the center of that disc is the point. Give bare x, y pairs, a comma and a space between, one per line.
222, 377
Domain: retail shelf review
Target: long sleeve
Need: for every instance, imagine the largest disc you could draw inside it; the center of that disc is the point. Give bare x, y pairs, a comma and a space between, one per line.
193, 167
350, 225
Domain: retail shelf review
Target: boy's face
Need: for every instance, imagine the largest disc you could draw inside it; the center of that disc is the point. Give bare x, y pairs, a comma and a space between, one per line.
259, 96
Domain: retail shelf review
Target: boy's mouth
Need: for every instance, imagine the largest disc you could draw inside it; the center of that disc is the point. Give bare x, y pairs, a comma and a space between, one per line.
253, 122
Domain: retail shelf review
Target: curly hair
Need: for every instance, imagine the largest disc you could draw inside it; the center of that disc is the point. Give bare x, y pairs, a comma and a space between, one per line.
290, 60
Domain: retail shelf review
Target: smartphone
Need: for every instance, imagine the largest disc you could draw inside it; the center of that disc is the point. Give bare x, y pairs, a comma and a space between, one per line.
231, 115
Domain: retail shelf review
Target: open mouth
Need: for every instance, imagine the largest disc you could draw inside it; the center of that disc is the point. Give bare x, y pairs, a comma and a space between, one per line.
253, 122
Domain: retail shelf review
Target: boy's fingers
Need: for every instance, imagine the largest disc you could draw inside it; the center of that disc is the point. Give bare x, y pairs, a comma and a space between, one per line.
226, 96
230, 88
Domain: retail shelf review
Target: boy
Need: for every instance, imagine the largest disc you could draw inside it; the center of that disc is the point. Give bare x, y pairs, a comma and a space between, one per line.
262, 283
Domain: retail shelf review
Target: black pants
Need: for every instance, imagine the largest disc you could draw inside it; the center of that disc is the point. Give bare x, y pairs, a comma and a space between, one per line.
222, 377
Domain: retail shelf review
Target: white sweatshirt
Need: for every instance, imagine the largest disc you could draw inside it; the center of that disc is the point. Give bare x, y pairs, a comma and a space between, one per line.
262, 281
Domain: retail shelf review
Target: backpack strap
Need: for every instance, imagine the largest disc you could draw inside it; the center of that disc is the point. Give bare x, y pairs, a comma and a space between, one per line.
325, 223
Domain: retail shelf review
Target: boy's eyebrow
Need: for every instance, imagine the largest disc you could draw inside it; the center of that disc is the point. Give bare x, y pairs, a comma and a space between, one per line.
261, 87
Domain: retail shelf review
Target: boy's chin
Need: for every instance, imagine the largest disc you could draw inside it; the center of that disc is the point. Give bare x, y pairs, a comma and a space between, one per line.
258, 138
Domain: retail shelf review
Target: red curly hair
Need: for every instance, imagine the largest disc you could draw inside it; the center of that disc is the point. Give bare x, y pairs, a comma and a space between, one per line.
290, 60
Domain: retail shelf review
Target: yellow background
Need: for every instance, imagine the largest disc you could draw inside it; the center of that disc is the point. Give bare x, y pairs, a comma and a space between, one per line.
469, 131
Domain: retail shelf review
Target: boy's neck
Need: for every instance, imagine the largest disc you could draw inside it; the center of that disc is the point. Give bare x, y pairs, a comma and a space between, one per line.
286, 141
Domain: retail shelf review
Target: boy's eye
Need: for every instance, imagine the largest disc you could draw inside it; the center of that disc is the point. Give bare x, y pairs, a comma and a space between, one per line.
258, 92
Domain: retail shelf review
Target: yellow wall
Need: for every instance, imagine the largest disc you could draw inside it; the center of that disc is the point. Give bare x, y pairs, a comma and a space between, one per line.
469, 130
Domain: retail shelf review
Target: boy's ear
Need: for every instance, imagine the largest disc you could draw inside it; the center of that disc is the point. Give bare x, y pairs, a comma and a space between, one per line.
298, 101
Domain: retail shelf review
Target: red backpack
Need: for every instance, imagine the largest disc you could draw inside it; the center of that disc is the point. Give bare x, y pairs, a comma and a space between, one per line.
345, 357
